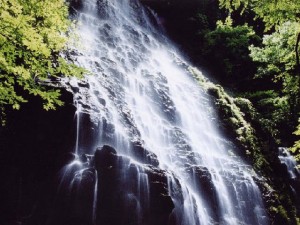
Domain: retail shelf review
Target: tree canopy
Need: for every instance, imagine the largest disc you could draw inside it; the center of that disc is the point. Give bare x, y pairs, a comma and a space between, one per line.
278, 56
228, 45
273, 13
33, 35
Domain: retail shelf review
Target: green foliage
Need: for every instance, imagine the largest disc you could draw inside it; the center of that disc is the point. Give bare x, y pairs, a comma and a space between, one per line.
277, 57
33, 35
276, 62
273, 13
228, 46
296, 148
274, 111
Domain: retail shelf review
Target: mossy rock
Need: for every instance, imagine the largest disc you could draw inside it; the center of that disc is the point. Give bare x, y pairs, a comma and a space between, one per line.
234, 114
242, 124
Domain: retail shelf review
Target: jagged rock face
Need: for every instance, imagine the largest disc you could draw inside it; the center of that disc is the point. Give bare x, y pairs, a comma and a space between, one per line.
93, 190
204, 183
143, 155
119, 201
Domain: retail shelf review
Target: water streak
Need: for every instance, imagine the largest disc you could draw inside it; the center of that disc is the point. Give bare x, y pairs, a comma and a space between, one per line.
142, 92
287, 159
95, 198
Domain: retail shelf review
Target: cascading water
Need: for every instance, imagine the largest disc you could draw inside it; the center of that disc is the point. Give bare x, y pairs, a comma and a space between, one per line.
291, 165
144, 103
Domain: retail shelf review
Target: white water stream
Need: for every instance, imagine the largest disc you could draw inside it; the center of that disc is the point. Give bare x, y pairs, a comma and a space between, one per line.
141, 92
291, 165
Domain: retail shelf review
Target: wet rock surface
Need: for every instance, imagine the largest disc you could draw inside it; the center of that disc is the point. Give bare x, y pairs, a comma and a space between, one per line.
143, 155
129, 193
104, 188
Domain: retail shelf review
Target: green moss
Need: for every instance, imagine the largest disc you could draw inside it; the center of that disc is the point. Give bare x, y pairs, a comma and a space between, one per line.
244, 125
281, 214
233, 114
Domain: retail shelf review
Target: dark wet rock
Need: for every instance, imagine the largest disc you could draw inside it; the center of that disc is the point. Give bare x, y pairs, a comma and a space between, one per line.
76, 4
105, 158
160, 92
184, 150
128, 121
202, 178
84, 84
102, 101
108, 130
74, 205
161, 204
83, 158
88, 132
102, 12
98, 66
143, 155
84, 105
108, 61
121, 185
75, 89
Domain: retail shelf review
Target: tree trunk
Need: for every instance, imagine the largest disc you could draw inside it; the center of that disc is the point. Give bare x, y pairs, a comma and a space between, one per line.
297, 53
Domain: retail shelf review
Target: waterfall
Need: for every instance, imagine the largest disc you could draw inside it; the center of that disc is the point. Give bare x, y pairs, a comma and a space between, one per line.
141, 100
289, 161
